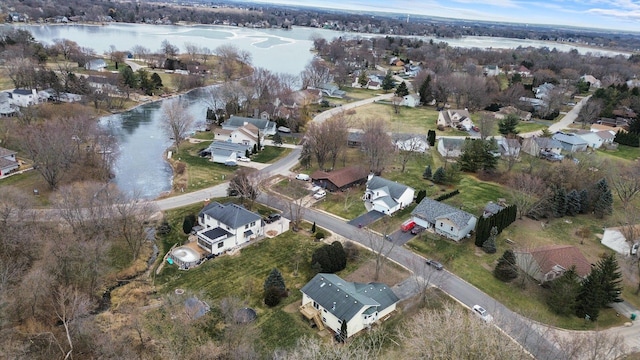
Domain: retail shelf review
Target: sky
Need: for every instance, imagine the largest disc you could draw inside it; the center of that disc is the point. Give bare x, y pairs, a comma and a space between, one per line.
604, 14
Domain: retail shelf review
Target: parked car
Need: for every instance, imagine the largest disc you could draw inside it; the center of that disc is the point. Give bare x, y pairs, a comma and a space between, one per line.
231, 163
303, 177
284, 129
417, 230
320, 194
475, 128
434, 264
244, 159
315, 189
482, 313
407, 225
272, 218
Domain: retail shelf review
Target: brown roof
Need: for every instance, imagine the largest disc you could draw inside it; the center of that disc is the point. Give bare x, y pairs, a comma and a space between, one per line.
564, 255
342, 177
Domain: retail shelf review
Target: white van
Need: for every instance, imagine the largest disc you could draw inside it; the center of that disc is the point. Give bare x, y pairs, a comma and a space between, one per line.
303, 177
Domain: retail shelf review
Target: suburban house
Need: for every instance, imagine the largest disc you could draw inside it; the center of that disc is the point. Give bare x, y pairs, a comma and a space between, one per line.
301, 98
332, 90
607, 136
246, 135
227, 226
341, 179
354, 137
543, 92
8, 161
570, 142
509, 110
450, 147
329, 300
509, 147
549, 262
593, 82
223, 151
103, 84
535, 144
524, 71
95, 65
410, 142
446, 220
265, 126
411, 100
24, 97
492, 70
455, 118
386, 196
593, 140
7, 108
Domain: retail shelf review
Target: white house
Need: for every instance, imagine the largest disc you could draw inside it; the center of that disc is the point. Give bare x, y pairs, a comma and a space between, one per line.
509, 147
535, 144
247, 135
444, 219
492, 70
265, 126
411, 100
223, 151
453, 118
24, 97
386, 196
410, 142
227, 226
593, 82
450, 147
7, 108
593, 140
329, 301
8, 161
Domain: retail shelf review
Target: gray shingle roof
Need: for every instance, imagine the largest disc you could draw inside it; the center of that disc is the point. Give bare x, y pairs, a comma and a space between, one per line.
230, 214
345, 299
569, 138
226, 148
432, 210
394, 189
238, 121
6, 152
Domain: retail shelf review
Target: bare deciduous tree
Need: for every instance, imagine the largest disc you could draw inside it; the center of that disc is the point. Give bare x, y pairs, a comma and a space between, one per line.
376, 144
528, 190
315, 74
589, 112
247, 183
327, 139
176, 122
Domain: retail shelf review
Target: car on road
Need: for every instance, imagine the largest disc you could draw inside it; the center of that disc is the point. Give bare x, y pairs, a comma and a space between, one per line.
303, 177
320, 194
482, 313
417, 230
388, 237
434, 264
244, 159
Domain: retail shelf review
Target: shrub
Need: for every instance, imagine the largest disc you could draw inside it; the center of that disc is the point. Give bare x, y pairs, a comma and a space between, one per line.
180, 167
351, 250
319, 235
188, 223
272, 296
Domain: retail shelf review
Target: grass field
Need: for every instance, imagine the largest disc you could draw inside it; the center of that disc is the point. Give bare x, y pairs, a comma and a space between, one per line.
270, 154
623, 152
201, 172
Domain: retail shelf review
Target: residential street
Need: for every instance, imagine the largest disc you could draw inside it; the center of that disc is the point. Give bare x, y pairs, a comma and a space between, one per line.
563, 123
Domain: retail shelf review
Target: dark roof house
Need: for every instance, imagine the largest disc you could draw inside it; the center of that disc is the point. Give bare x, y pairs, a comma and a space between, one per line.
340, 179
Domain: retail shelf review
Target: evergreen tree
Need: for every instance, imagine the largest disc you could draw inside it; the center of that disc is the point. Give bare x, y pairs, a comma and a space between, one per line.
339, 256
402, 90
611, 279
425, 93
247, 153
277, 139
489, 246
506, 268
387, 82
427, 173
561, 298
363, 79
275, 280
584, 201
313, 227
508, 125
255, 148
477, 155
272, 297
559, 202
573, 203
188, 223
590, 296
481, 231
156, 80
431, 137
603, 203
128, 77
439, 176
421, 195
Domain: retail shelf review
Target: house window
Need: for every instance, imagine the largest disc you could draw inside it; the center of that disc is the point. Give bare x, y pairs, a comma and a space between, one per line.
315, 305
253, 224
452, 228
324, 320
220, 244
246, 226
340, 322
325, 310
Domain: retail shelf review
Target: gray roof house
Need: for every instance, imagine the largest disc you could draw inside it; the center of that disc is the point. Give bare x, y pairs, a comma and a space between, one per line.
95, 65
386, 196
225, 227
570, 142
535, 144
450, 147
444, 219
332, 90
8, 161
224, 151
265, 126
329, 300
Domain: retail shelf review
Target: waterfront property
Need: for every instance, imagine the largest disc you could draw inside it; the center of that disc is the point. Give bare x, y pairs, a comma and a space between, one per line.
226, 227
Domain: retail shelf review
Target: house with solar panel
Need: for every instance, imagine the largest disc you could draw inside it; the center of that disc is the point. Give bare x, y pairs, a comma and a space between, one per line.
328, 301
226, 226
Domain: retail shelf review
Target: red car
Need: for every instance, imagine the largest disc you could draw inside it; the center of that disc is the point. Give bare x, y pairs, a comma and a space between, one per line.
407, 225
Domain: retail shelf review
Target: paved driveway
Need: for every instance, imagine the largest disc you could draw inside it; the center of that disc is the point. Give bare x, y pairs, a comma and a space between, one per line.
366, 219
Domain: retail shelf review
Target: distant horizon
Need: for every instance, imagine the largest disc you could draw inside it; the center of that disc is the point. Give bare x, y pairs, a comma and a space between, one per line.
608, 15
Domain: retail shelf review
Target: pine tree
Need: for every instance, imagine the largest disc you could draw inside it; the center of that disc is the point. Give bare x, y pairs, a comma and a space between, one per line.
439, 176
272, 297
339, 256
573, 203
603, 204
559, 202
427, 173
421, 195
489, 246
343, 331
561, 298
425, 92
508, 125
277, 139
611, 279
584, 201
590, 296
188, 223
275, 280
402, 90
506, 268
431, 137
387, 82
363, 79
313, 227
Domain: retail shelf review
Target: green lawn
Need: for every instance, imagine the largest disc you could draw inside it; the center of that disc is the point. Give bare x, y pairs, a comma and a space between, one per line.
345, 204
270, 154
623, 152
525, 127
27, 182
202, 173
